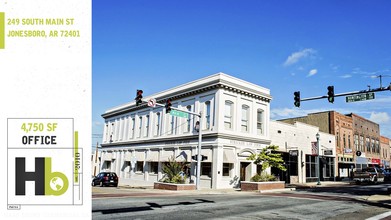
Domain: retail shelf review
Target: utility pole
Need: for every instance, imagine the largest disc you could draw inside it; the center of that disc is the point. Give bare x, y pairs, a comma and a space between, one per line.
168, 106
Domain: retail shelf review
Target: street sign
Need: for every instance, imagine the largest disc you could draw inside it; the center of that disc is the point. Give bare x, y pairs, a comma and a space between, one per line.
179, 113
152, 102
360, 97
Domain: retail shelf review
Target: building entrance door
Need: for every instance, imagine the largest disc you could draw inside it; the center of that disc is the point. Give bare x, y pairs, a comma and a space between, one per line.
244, 166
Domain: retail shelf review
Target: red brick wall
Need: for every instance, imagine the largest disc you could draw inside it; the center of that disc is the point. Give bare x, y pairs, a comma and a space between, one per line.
169, 186
250, 186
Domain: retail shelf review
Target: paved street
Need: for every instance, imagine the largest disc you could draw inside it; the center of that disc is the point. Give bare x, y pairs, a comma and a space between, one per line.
326, 202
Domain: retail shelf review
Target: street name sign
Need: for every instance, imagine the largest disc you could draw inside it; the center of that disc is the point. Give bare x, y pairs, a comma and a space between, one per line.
179, 113
360, 97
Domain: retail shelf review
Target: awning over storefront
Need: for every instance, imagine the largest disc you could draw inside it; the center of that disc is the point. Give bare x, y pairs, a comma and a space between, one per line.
140, 155
107, 156
153, 156
229, 156
208, 153
128, 156
183, 156
166, 155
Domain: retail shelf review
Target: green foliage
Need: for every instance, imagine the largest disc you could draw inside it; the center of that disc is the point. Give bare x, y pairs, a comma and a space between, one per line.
173, 171
268, 157
263, 177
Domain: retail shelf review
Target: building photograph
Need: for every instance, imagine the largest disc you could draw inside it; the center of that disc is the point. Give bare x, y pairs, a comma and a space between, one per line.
138, 140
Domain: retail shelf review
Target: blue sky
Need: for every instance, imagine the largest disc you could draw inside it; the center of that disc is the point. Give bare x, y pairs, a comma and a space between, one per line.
285, 46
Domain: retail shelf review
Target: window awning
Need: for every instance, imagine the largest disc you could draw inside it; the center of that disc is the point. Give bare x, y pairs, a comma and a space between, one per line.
153, 155
107, 156
166, 154
229, 156
183, 156
140, 155
128, 156
208, 153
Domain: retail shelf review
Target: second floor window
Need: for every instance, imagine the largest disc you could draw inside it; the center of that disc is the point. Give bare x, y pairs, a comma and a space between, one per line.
133, 126
228, 114
259, 122
245, 111
140, 126
146, 126
207, 114
157, 130
188, 120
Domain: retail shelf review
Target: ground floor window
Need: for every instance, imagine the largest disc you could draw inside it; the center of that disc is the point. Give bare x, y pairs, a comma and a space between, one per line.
106, 165
227, 167
310, 167
139, 166
153, 167
328, 164
206, 169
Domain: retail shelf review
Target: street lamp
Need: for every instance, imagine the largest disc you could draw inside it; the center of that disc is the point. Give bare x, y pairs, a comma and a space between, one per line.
317, 158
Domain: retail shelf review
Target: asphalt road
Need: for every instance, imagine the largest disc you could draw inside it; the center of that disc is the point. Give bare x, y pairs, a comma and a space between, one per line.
313, 203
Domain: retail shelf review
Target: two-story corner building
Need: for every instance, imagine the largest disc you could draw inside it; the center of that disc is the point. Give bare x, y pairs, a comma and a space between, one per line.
298, 141
138, 140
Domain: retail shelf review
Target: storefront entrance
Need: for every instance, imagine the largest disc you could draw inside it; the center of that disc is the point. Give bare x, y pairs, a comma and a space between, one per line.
245, 171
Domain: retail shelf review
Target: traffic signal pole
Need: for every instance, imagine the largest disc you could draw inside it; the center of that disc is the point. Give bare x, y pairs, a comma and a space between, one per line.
199, 157
381, 89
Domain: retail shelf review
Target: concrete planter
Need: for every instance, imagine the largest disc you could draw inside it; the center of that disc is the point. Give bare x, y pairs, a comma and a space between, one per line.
251, 186
172, 186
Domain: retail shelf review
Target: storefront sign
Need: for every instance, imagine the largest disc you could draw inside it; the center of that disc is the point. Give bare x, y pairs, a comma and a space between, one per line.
328, 152
375, 161
348, 150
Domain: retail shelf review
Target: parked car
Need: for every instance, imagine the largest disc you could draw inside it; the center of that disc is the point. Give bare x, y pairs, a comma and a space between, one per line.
105, 179
368, 174
387, 173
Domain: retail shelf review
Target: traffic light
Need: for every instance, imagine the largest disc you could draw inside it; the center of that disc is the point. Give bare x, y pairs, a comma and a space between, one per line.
330, 94
139, 97
168, 105
297, 99
194, 157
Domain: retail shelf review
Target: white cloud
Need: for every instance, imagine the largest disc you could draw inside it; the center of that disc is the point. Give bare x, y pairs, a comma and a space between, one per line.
312, 72
346, 76
297, 56
380, 117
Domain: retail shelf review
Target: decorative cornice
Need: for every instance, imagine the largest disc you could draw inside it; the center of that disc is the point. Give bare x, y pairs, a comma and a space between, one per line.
209, 86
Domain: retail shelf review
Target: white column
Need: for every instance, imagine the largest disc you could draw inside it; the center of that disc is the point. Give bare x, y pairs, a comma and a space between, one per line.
217, 166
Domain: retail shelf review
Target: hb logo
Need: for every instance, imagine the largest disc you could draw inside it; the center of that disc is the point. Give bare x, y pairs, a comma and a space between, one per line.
46, 181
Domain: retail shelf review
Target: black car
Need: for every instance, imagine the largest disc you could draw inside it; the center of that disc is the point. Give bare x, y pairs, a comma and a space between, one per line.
105, 179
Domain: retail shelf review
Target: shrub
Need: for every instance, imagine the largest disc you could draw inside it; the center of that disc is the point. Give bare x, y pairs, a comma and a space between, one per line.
263, 177
173, 172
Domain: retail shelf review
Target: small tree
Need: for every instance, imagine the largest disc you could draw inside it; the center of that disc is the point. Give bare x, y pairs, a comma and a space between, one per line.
268, 157
174, 171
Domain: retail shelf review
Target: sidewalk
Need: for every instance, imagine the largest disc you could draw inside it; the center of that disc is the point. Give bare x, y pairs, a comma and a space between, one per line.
322, 184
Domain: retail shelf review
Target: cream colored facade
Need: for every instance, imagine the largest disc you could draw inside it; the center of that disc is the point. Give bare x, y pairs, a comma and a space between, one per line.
137, 140
300, 138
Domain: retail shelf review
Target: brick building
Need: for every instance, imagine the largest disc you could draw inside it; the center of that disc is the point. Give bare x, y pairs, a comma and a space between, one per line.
366, 140
385, 148
352, 133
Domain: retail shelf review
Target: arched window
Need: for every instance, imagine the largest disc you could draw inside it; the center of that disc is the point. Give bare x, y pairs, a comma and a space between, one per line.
207, 114
259, 122
228, 119
245, 116
157, 124
187, 127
